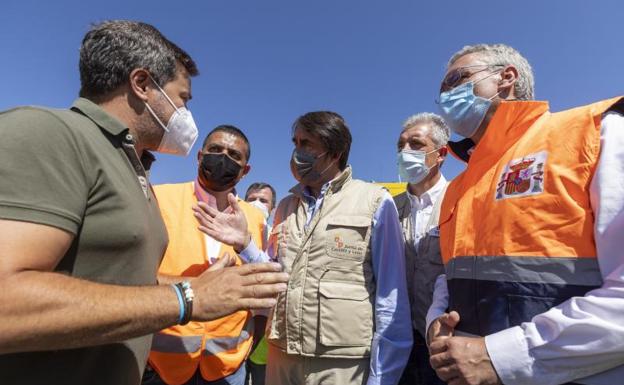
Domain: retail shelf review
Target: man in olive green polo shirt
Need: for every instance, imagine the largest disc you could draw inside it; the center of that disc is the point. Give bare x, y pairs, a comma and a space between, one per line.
81, 236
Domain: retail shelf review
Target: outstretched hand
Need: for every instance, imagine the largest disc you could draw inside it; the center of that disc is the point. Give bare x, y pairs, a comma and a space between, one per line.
229, 226
224, 289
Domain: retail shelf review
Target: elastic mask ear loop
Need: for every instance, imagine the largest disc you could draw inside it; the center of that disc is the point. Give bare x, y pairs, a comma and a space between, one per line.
328, 166
156, 117
495, 95
483, 78
163, 92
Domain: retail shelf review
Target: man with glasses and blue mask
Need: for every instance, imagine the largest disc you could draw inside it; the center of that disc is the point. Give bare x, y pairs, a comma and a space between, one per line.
421, 152
530, 233
81, 235
345, 316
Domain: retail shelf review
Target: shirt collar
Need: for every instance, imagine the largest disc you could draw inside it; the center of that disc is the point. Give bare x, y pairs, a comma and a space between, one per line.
335, 185
109, 124
100, 117
311, 198
205, 196
429, 196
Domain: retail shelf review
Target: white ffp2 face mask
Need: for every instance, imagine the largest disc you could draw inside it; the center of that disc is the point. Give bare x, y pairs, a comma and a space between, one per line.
259, 205
180, 132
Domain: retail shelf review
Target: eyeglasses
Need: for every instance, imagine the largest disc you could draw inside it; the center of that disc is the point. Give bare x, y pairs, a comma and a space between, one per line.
456, 76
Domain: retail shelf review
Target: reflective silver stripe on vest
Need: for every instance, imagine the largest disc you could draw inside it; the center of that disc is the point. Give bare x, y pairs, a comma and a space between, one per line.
218, 345
167, 343
555, 270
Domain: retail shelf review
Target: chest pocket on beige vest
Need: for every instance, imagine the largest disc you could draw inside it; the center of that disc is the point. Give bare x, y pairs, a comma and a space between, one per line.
347, 237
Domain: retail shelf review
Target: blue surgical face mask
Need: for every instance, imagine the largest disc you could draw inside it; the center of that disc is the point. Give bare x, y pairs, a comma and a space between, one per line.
412, 165
462, 110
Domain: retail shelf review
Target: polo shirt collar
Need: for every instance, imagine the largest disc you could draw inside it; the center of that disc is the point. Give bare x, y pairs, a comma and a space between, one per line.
100, 117
110, 124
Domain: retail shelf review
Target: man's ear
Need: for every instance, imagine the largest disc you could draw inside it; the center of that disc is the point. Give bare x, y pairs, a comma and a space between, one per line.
140, 82
442, 152
246, 170
199, 157
507, 83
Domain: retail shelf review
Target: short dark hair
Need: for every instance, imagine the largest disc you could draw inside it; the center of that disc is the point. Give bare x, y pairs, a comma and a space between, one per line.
111, 50
259, 186
332, 129
230, 130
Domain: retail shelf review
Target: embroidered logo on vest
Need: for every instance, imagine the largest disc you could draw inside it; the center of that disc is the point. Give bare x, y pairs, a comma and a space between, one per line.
522, 177
341, 248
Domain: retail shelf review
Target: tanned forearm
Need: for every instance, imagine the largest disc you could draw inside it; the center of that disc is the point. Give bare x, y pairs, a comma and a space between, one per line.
165, 279
48, 311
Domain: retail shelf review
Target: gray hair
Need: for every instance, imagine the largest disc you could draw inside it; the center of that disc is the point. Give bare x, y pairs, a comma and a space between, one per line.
111, 50
440, 132
493, 54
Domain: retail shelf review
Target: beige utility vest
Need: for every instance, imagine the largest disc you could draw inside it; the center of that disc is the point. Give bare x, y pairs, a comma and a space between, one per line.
328, 309
423, 263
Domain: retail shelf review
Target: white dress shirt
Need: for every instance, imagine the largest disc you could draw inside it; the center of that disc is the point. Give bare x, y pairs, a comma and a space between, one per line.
582, 339
422, 208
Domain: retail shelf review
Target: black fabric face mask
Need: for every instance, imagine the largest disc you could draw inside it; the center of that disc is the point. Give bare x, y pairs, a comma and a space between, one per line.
220, 171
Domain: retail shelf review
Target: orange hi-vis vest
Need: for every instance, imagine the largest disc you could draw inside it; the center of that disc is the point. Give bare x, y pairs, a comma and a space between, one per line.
217, 347
516, 227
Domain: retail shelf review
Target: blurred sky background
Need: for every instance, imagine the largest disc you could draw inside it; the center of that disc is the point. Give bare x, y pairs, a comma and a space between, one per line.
264, 63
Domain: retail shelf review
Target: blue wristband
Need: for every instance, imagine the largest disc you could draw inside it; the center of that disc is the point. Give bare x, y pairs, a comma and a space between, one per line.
181, 301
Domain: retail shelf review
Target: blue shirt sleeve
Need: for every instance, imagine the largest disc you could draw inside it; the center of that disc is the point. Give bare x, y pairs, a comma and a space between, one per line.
392, 341
252, 254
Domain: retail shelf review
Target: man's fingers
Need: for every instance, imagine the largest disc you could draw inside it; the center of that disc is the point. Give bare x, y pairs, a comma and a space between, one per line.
452, 319
204, 208
448, 373
437, 346
263, 291
233, 203
457, 381
443, 326
225, 261
252, 268
433, 331
257, 303
438, 360
264, 278
208, 231
202, 217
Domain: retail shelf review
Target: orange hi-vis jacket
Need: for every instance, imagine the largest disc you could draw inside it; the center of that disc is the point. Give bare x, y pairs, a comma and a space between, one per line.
217, 347
516, 227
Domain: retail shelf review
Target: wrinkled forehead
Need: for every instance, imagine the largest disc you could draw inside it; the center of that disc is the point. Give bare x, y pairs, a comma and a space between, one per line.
420, 130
